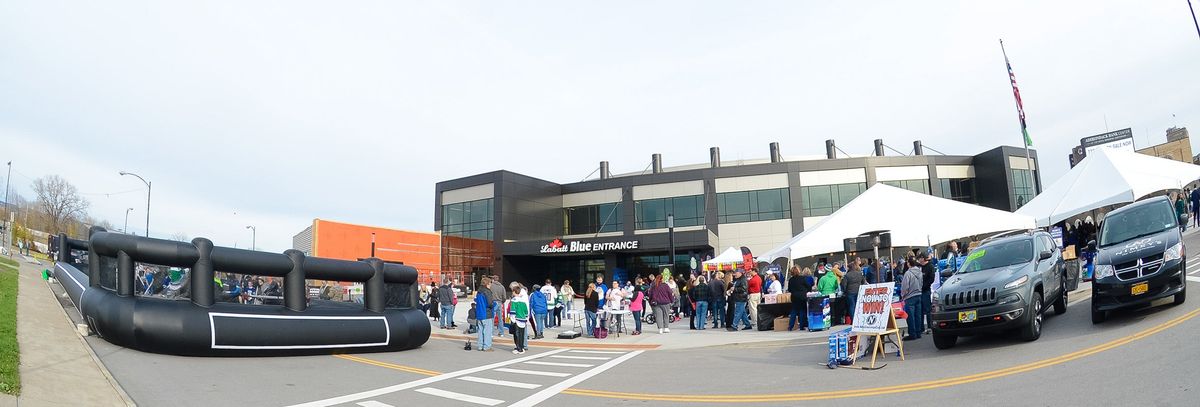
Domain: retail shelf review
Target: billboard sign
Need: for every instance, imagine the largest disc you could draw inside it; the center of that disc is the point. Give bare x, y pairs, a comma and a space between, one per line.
1116, 140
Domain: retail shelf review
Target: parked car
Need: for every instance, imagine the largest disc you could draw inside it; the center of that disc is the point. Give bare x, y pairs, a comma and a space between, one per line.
462, 291
1004, 284
1139, 257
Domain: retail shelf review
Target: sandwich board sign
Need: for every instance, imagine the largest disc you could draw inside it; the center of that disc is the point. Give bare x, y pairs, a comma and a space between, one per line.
873, 310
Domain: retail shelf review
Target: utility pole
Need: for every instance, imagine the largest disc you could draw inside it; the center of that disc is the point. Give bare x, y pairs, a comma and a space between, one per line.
671, 239
147, 199
126, 228
253, 236
372, 244
8, 229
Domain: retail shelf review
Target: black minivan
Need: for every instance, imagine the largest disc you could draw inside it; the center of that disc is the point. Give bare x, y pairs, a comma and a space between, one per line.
1140, 257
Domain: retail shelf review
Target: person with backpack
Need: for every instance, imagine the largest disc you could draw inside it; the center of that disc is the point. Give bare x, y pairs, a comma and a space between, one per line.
739, 296
540, 307
484, 313
661, 298
518, 311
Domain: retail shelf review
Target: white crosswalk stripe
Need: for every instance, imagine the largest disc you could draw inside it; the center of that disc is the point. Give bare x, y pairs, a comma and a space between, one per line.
535, 362
600, 352
373, 403
1195, 279
507, 383
532, 372
459, 396
580, 357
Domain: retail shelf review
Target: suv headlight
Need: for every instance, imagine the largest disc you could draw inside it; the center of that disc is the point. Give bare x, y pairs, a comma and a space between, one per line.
1017, 283
1174, 252
1103, 271
1009, 299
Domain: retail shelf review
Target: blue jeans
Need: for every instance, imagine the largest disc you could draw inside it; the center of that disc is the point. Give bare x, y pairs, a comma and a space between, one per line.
851, 300
926, 307
497, 308
740, 315
799, 310
485, 334
718, 310
540, 320
701, 313
591, 322
916, 319
637, 321
447, 317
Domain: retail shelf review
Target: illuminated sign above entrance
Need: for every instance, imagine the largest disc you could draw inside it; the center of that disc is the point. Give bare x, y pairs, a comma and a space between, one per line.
558, 246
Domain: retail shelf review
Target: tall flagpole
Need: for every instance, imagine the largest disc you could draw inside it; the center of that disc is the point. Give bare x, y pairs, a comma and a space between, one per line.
1025, 142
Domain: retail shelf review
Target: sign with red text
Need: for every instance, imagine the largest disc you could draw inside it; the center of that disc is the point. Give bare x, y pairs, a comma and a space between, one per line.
873, 308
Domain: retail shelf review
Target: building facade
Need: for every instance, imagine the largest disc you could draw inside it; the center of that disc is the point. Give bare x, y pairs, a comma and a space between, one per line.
528, 229
1178, 146
348, 241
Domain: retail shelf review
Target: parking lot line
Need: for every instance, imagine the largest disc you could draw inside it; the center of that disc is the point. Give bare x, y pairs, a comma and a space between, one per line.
538, 362
532, 372
417, 383
507, 383
459, 396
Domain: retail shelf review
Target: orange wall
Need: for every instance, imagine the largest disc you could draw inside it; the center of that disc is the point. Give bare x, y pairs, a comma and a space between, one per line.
348, 241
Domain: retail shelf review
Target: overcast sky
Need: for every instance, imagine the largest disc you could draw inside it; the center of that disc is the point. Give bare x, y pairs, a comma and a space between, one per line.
275, 113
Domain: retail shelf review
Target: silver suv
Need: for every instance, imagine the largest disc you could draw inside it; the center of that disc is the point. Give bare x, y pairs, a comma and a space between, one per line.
1003, 285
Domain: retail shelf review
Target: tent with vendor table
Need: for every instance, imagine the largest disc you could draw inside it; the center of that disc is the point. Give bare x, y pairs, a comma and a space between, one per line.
729, 259
914, 219
1107, 177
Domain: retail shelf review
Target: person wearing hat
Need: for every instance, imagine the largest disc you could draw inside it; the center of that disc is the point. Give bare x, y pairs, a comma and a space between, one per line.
928, 274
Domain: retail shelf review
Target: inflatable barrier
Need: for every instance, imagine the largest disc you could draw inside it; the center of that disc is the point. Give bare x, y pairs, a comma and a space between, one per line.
200, 326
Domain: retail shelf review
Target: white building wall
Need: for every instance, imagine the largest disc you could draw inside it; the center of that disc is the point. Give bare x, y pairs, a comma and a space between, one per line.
668, 190
469, 194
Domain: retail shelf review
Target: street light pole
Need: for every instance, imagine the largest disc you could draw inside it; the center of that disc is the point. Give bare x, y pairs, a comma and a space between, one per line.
126, 228
372, 244
671, 237
147, 199
253, 236
7, 230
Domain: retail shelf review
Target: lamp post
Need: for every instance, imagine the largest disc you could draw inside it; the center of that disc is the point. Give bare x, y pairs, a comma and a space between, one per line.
147, 199
372, 244
126, 228
253, 236
671, 237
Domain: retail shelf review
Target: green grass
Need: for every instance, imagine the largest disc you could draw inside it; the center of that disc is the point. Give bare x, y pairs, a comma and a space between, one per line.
10, 355
9, 262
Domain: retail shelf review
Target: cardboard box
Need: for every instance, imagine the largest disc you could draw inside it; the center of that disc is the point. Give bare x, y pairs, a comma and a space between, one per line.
770, 298
1069, 253
783, 298
781, 324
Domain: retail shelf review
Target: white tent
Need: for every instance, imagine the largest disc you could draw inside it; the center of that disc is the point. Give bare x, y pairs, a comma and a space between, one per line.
914, 219
1107, 177
730, 258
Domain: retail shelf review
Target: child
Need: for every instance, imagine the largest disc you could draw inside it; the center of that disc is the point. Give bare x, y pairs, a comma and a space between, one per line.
471, 321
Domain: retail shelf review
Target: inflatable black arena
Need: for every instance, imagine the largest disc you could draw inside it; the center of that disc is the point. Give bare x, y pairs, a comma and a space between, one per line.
200, 326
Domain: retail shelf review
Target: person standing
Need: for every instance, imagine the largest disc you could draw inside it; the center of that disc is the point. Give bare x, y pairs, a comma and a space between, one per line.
1195, 199
445, 296
773, 284
484, 313
591, 305
754, 284
928, 277
541, 309
850, 284
499, 297
828, 284
518, 311
799, 284
674, 293
661, 298
552, 304
637, 307
701, 294
602, 288
910, 293
1180, 209
739, 295
568, 296
716, 290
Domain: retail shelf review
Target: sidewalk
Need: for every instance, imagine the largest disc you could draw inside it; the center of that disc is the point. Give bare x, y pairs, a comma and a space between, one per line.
57, 367
680, 337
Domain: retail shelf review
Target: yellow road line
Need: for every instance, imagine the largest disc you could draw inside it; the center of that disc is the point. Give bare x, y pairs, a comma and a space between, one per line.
837, 394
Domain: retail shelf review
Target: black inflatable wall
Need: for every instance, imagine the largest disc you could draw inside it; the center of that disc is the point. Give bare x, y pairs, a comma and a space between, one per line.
202, 327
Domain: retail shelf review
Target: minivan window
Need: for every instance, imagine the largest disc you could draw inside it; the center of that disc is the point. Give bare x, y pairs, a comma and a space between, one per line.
998, 255
1137, 222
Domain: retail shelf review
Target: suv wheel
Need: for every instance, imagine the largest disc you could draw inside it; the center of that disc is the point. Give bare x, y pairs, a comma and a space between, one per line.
1098, 316
943, 341
1060, 305
1033, 331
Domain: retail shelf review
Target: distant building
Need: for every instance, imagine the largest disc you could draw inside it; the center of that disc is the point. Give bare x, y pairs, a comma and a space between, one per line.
347, 241
1178, 146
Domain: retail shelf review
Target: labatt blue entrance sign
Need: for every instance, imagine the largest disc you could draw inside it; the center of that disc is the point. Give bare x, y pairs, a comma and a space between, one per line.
871, 312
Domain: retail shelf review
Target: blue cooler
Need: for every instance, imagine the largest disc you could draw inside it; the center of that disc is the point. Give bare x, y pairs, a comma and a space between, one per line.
818, 312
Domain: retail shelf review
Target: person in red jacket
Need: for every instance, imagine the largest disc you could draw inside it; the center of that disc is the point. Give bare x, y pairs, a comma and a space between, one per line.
755, 284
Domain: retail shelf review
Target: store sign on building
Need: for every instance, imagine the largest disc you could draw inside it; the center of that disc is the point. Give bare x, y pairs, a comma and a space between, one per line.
559, 246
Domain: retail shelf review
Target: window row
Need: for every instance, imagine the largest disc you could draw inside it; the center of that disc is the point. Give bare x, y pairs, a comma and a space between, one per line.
600, 218
753, 206
652, 213
472, 219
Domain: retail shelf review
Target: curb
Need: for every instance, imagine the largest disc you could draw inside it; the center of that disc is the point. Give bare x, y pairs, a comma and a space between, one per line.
542, 344
95, 359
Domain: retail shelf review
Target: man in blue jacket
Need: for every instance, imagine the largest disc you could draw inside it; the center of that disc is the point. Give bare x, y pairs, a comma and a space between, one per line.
484, 314
537, 302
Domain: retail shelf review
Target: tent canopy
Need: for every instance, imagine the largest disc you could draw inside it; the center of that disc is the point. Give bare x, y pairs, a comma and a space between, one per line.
914, 219
729, 259
1106, 177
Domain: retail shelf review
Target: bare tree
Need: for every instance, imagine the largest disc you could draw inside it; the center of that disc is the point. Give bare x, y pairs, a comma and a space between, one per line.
179, 236
59, 201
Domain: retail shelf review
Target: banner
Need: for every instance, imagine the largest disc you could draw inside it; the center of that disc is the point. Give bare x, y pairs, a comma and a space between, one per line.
871, 311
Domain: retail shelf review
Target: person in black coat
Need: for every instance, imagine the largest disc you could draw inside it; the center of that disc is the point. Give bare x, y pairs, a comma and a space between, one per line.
799, 284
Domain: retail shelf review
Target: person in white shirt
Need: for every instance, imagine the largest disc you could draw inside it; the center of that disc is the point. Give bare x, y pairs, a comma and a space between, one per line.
773, 284
551, 294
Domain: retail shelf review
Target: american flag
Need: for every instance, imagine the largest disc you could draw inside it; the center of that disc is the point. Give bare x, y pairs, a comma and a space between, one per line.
1017, 95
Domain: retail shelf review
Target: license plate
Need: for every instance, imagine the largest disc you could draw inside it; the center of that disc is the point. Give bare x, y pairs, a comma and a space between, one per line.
968, 316
1139, 288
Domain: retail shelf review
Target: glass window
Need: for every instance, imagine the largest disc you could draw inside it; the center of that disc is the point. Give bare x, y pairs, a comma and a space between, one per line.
652, 213
750, 206
468, 219
1023, 186
958, 189
593, 219
915, 185
821, 200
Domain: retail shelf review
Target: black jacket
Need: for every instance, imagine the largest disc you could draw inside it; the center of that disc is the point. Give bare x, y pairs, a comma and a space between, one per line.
716, 290
741, 292
701, 292
927, 276
592, 302
798, 286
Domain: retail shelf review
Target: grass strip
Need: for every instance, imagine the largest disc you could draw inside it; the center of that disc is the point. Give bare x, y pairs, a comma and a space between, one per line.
10, 355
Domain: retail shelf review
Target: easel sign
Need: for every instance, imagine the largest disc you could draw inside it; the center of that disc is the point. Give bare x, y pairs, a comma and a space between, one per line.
874, 317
